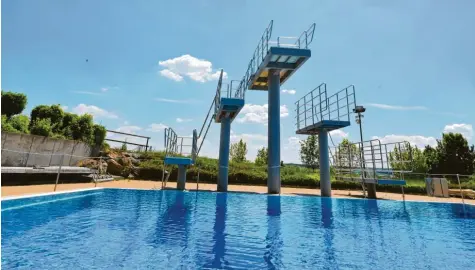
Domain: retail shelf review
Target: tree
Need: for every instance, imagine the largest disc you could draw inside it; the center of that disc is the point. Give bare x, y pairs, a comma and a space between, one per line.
83, 129
309, 152
238, 151
54, 112
20, 122
262, 156
347, 155
453, 155
13, 103
99, 134
41, 127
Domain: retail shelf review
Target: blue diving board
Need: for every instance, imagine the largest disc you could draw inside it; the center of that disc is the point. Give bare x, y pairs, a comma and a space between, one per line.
327, 125
286, 60
178, 161
231, 106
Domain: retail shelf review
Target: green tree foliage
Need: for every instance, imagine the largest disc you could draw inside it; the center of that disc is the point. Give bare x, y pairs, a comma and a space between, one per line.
123, 147
262, 157
99, 134
6, 126
238, 151
13, 103
54, 113
309, 152
41, 127
453, 155
347, 155
20, 122
83, 128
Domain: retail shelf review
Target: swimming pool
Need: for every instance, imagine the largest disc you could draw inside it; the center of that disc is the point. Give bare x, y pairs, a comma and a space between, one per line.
167, 229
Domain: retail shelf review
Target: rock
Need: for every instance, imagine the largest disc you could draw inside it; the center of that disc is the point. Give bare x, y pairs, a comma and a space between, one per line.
125, 161
89, 163
114, 168
134, 161
135, 155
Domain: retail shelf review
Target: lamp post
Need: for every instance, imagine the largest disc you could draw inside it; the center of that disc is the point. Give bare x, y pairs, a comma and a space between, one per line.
371, 187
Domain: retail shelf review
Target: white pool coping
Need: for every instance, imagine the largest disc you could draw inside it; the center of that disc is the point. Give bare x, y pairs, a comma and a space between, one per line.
248, 192
49, 193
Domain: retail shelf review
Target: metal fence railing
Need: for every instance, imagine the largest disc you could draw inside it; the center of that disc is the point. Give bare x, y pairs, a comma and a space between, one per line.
260, 53
317, 106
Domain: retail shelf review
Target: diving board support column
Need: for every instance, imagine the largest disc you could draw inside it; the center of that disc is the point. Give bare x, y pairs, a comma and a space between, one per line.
180, 185
325, 184
224, 154
273, 141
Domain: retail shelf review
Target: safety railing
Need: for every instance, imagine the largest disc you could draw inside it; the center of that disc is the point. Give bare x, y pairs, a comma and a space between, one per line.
301, 42
180, 145
315, 106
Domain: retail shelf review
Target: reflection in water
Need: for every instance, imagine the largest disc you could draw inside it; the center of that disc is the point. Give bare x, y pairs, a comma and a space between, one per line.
327, 223
273, 254
219, 240
173, 227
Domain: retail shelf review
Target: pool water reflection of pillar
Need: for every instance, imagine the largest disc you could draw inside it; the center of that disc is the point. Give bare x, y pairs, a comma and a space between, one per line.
273, 255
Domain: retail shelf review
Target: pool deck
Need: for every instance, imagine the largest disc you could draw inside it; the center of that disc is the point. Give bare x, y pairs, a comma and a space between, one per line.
8, 191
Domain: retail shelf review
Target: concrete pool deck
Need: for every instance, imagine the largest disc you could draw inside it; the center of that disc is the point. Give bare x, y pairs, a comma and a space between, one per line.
8, 191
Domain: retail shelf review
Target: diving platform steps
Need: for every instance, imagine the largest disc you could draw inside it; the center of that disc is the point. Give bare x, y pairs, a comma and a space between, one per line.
178, 161
285, 60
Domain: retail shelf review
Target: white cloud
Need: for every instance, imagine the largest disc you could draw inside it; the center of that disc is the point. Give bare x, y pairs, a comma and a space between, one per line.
290, 92
339, 133
199, 70
259, 113
182, 120
415, 140
174, 100
104, 89
93, 110
65, 108
396, 107
171, 75
465, 129
249, 138
156, 127
128, 129
88, 93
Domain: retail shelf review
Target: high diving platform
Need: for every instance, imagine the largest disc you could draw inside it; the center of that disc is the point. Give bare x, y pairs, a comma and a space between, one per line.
317, 111
181, 152
227, 105
271, 65
318, 114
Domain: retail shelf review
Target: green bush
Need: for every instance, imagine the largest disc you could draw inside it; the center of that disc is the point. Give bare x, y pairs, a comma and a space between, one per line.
7, 126
13, 103
20, 122
41, 127
99, 134
83, 129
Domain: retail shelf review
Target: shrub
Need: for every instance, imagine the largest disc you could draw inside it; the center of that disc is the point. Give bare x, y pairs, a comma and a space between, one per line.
6, 126
13, 103
83, 129
41, 127
20, 122
99, 134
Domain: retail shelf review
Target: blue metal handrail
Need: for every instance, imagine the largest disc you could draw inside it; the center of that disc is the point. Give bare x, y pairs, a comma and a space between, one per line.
315, 106
302, 42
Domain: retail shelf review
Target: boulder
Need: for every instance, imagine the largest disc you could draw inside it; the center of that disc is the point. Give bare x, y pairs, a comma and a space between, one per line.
114, 168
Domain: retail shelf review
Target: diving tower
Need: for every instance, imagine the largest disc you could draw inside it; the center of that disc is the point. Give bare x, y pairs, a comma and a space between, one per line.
271, 65
227, 107
318, 114
179, 151
373, 162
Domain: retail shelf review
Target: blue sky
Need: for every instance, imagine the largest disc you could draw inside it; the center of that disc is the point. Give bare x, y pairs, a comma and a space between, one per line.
412, 62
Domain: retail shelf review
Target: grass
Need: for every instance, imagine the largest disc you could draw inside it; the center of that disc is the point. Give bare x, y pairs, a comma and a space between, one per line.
252, 174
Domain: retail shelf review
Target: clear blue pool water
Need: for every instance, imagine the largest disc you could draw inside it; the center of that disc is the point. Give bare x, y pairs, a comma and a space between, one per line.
137, 229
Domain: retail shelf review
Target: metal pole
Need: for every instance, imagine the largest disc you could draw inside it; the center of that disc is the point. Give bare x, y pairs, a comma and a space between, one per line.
146, 146
273, 141
461, 193
371, 188
59, 172
181, 177
224, 154
325, 184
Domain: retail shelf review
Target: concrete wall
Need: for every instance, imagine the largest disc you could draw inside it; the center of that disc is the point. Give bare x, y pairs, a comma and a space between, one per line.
20, 150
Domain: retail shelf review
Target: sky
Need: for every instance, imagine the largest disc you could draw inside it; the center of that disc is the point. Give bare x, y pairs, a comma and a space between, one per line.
141, 66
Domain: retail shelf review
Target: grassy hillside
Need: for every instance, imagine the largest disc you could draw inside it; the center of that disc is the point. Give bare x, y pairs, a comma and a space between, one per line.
250, 173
